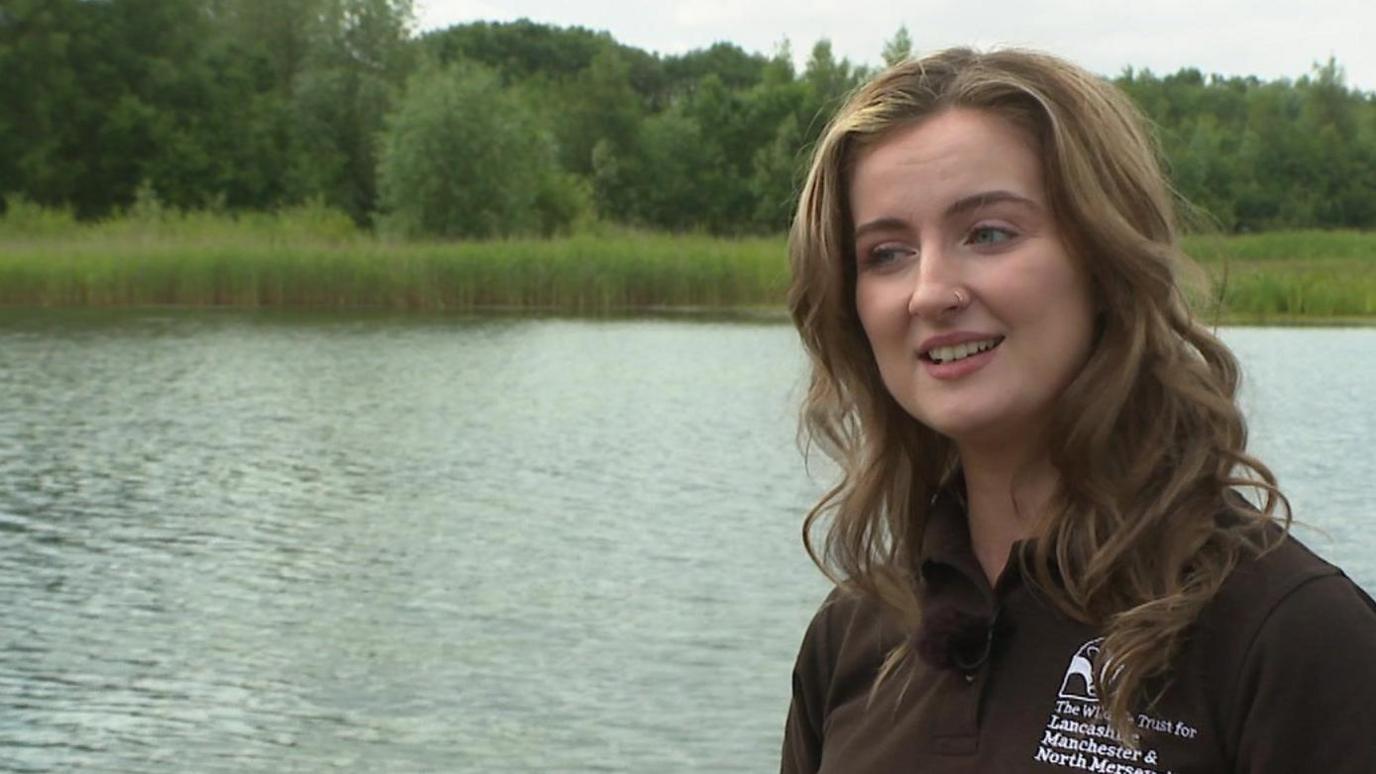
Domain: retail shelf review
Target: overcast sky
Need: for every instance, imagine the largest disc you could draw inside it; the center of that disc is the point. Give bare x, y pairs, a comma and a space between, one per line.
1268, 38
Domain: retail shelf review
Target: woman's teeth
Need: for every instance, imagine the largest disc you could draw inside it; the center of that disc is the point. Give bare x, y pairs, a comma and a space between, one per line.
960, 351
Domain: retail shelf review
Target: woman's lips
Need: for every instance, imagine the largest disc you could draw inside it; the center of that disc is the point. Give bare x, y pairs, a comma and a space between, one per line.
959, 366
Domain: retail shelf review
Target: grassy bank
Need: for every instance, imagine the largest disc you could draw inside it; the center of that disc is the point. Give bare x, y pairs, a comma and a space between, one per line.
312, 258
1292, 276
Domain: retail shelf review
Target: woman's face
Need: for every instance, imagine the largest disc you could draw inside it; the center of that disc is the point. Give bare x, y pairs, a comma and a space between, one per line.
976, 314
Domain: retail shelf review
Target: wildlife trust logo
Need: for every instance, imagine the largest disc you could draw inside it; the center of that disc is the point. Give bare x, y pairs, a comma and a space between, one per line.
1079, 736
1079, 676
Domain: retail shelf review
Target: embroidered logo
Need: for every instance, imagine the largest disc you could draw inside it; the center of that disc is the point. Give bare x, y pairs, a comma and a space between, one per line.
1079, 677
1078, 735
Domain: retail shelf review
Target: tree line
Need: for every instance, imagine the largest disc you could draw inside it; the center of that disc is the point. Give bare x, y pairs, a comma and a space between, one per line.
491, 129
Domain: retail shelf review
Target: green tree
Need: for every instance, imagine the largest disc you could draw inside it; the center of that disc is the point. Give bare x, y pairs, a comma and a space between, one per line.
464, 157
899, 47
679, 175
733, 67
1261, 155
775, 177
599, 104
281, 32
776, 109
101, 97
43, 111
524, 50
358, 59
518, 50
828, 81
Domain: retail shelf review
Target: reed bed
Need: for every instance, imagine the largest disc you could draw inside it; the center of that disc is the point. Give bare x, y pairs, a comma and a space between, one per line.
577, 274
1290, 276
313, 258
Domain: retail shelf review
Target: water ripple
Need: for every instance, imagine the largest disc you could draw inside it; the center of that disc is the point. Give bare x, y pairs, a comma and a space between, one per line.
236, 542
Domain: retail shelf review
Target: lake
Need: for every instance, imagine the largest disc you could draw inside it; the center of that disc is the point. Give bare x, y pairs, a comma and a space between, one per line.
299, 543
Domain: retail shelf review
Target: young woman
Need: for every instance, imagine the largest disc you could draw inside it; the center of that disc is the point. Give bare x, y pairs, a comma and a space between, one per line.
1052, 550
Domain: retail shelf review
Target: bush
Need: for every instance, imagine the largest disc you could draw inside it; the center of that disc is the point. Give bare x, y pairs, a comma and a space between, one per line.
464, 157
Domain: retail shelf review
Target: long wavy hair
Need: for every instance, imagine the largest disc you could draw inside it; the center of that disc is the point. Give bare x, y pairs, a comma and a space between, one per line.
1149, 442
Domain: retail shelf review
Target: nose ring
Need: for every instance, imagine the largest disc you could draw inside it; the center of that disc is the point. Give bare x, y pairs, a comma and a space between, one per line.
962, 300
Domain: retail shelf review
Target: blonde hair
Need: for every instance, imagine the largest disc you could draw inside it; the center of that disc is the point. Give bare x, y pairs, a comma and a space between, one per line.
1150, 444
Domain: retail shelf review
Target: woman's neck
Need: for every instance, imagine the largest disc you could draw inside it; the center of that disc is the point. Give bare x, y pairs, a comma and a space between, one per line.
1007, 496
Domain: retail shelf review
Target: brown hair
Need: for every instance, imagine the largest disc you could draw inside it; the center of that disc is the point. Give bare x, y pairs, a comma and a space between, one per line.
1150, 444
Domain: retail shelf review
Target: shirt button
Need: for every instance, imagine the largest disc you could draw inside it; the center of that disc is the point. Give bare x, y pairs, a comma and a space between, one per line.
969, 678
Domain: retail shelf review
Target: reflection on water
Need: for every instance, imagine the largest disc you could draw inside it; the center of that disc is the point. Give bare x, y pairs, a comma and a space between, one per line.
232, 542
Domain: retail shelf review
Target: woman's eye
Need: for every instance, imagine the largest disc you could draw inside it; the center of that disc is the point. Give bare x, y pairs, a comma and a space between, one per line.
989, 235
881, 255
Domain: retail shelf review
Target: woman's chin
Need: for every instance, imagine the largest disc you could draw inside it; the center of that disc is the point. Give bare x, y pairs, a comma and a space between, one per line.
977, 434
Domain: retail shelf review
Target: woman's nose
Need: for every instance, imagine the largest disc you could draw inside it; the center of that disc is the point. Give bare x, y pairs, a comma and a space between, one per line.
937, 291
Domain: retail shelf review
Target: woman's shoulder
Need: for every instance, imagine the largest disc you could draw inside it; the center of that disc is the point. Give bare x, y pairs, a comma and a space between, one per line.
845, 616
1284, 580
847, 640
1291, 642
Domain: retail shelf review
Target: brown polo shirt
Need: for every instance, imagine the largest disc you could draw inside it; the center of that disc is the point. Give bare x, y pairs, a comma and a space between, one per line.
1279, 675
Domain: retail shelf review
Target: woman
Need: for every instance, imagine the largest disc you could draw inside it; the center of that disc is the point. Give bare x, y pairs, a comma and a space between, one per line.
1046, 551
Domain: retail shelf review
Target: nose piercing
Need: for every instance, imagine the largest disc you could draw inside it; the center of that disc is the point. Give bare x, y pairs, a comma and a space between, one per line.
961, 300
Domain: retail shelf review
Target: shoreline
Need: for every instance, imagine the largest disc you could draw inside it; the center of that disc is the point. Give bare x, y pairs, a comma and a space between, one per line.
746, 315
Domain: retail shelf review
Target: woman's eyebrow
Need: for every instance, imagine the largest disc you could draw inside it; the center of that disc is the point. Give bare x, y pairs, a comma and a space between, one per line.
958, 207
879, 224
985, 198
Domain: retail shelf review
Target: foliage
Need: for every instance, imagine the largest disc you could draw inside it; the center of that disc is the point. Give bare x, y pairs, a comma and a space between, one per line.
256, 105
1256, 155
238, 103
359, 57
464, 157
899, 47
598, 105
23, 219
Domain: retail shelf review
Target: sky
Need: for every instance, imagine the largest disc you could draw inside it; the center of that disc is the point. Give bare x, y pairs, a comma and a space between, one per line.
1266, 38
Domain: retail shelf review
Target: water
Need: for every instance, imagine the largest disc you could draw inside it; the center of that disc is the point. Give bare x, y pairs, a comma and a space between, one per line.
234, 542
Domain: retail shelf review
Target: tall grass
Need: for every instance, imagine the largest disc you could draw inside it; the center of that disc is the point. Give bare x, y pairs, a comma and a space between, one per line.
311, 257
308, 258
1291, 275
